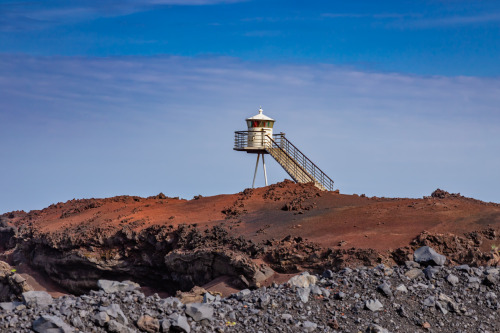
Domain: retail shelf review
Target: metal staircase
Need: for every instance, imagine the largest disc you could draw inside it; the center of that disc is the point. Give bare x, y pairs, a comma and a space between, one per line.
300, 168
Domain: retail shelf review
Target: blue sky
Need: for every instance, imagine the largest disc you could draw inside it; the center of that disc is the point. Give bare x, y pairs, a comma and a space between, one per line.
102, 98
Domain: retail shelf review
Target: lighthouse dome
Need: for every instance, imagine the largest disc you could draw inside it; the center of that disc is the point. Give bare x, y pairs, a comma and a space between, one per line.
260, 116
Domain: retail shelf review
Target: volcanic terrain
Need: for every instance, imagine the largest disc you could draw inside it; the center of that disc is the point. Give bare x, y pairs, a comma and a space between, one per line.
230, 242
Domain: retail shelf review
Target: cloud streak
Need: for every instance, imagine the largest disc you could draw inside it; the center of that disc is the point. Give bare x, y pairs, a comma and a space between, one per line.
419, 20
27, 15
79, 126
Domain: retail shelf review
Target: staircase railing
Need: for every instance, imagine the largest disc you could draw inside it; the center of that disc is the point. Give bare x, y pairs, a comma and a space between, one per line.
279, 141
302, 165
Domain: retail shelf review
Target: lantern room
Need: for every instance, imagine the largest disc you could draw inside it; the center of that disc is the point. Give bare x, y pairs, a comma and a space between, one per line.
260, 127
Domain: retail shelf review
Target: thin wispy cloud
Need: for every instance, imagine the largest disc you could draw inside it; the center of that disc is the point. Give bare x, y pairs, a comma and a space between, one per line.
27, 15
420, 20
454, 21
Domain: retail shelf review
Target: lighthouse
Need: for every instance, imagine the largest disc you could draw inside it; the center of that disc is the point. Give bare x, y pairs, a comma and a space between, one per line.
259, 139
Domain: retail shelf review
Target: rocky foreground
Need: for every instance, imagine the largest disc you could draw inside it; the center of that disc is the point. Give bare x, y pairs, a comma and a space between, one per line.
421, 295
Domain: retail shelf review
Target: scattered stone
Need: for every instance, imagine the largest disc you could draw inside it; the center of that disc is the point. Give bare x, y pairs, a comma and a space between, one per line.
414, 273
490, 280
199, 311
402, 288
303, 294
430, 272
115, 286
309, 326
179, 322
51, 324
116, 312
385, 289
148, 324
101, 318
373, 305
452, 279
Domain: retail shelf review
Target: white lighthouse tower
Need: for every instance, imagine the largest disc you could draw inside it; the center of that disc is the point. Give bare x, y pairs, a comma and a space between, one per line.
257, 139
260, 129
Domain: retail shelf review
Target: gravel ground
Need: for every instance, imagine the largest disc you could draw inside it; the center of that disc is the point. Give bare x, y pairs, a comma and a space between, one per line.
409, 298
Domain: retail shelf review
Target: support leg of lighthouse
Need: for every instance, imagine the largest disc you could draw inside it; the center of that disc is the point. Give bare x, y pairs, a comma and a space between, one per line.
256, 167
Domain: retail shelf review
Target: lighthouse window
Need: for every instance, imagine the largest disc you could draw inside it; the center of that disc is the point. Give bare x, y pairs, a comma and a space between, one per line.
249, 123
255, 123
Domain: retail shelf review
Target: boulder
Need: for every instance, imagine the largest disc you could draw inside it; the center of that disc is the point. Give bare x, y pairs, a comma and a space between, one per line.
428, 256
37, 299
302, 280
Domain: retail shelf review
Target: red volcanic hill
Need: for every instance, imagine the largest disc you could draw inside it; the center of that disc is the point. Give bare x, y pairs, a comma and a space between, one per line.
248, 236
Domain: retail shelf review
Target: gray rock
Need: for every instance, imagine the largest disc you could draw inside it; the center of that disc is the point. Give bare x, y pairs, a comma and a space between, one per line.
414, 273
199, 311
309, 326
464, 268
328, 274
402, 288
340, 295
242, 293
315, 290
452, 279
441, 307
9, 306
490, 280
116, 286
37, 299
411, 264
264, 300
165, 326
473, 282
450, 302
208, 298
303, 294
385, 289
430, 272
179, 322
373, 305
115, 312
101, 318
51, 324
430, 301
286, 317
427, 255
